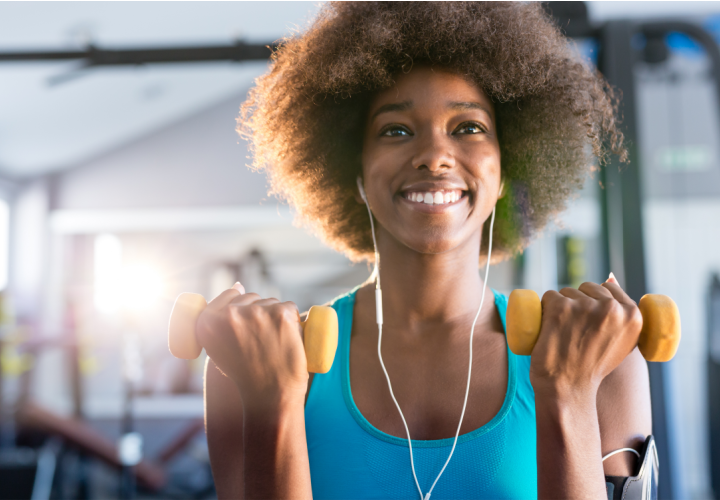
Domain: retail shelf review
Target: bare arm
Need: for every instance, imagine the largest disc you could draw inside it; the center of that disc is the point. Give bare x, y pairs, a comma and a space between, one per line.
273, 440
256, 432
224, 428
591, 389
277, 464
568, 444
581, 429
625, 413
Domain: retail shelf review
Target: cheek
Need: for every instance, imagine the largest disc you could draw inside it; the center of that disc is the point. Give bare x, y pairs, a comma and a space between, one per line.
379, 170
484, 168
375, 159
370, 162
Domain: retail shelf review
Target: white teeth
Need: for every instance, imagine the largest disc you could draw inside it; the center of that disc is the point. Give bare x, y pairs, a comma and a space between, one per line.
435, 197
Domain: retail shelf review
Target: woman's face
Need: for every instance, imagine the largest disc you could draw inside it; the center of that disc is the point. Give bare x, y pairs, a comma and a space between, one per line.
431, 160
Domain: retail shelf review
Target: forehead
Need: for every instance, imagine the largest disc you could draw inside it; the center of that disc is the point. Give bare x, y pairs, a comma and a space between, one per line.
428, 86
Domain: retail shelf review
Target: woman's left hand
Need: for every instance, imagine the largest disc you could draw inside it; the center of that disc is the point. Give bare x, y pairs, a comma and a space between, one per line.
585, 334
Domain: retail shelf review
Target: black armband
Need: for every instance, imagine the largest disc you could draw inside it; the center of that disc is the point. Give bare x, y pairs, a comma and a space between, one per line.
643, 486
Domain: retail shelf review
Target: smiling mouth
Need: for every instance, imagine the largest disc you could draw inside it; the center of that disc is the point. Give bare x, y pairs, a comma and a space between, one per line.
442, 197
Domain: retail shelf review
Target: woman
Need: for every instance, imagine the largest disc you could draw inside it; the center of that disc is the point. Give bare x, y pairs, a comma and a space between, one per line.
443, 117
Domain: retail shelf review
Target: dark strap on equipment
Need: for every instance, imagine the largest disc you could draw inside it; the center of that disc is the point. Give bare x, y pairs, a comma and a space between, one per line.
643, 486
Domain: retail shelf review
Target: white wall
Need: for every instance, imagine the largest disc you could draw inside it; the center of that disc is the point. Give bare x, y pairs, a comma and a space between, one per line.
682, 242
28, 246
199, 161
182, 201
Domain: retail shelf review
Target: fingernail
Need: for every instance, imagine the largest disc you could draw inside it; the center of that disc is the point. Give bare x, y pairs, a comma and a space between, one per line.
237, 286
612, 278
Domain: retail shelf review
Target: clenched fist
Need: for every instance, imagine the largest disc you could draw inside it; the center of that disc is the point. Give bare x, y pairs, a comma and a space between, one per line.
585, 334
258, 344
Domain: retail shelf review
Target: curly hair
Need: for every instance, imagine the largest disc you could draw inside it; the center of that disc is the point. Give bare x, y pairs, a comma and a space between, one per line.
305, 118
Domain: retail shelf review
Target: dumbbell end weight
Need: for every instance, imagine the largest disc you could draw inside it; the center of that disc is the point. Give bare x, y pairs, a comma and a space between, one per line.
660, 335
659, 338
320, 332
181, 331
523, 318
320, 336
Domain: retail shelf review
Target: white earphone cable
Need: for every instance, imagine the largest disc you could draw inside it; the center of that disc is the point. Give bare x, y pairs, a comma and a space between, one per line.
379, 315
472, 333
621, 450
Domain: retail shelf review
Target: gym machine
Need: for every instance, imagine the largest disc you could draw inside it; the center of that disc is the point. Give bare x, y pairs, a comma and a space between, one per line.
622, 221
621, 197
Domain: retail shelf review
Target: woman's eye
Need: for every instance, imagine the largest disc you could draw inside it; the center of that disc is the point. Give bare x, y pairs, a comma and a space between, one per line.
395, 131
470, 128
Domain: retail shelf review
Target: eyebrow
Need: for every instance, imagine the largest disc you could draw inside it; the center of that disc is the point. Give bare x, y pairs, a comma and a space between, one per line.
407, 105
396, 106
469, 105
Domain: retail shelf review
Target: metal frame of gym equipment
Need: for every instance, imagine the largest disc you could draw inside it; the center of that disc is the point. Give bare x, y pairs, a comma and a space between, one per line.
72, 433
621, 201
621, 196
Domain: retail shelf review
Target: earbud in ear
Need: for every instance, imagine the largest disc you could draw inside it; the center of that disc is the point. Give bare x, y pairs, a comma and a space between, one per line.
502, 188
361, 189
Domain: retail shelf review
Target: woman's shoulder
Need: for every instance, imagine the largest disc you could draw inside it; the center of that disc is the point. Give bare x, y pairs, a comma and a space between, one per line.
339, 303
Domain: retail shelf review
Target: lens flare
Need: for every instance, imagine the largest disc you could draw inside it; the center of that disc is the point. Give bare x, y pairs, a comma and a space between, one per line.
123, 287
140, 286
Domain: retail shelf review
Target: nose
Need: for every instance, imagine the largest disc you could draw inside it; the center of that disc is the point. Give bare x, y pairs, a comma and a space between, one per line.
434, 153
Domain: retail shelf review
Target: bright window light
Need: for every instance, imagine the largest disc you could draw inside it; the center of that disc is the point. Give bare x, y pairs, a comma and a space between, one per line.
140, 287
131, 288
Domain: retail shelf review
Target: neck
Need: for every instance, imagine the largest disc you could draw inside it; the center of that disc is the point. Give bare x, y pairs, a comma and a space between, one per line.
418, 287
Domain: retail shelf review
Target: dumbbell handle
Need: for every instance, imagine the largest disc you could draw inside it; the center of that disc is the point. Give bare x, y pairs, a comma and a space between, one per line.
659, 338
320, 332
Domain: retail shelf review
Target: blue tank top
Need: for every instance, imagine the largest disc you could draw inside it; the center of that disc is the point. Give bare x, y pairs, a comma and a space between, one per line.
351, 459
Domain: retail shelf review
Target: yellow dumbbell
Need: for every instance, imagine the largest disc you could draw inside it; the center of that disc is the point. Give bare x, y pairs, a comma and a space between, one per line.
320, 332
658, 341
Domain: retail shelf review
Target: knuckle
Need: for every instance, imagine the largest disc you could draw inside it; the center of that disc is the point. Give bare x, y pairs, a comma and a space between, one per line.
232, 315
611, 311
606, 305
551, 299
288, 312
614, 308
291, 306
559, 309
275, 312
635, 317
256, 312
564, 306
587, 287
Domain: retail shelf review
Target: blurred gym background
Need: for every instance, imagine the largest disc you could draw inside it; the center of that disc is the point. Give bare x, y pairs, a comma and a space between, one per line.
123, 184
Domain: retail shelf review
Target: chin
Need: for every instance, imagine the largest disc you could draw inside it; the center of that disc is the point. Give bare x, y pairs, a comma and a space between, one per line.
433, 245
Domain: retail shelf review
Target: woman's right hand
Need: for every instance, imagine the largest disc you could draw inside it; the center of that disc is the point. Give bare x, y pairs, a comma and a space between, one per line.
258, 344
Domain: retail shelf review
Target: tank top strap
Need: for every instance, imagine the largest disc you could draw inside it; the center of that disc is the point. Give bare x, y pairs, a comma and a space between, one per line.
501, 301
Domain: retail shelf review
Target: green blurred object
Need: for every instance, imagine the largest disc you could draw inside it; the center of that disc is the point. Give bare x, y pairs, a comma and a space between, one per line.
572, 261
